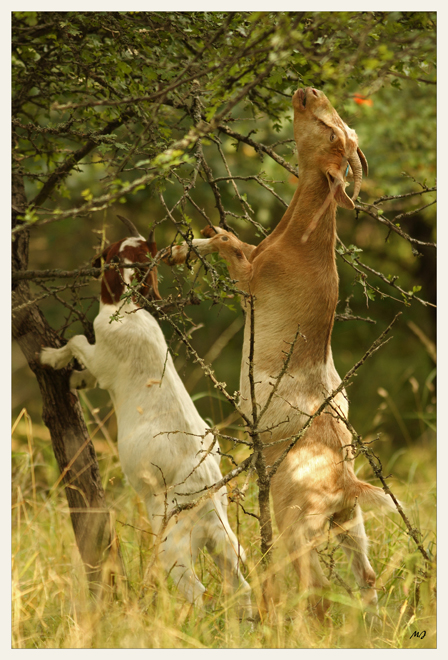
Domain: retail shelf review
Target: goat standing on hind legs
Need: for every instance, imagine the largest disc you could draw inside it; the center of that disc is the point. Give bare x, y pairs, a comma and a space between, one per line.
293, 278
163, 444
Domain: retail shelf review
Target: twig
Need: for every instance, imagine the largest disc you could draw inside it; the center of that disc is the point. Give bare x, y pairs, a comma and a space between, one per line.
259, 148
388, 198
283, 371
391, 282
371, 210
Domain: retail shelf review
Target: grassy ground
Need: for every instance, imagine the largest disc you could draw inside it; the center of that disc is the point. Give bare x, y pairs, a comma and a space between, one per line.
52, 609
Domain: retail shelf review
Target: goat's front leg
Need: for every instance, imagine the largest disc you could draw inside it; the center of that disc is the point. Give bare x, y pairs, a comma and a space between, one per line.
77, 347
229, 247
82, 380
178, 254
246, 248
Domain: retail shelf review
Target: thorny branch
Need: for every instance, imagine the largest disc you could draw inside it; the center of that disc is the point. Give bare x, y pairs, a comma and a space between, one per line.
259, 148
388, 198
56, 273
407, 295
283, 371
372, 210
264, 514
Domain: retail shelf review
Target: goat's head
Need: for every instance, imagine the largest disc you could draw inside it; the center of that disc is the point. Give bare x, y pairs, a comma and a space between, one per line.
134, 249
325, 142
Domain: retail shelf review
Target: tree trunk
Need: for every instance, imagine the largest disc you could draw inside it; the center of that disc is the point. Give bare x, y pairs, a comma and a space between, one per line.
63, 416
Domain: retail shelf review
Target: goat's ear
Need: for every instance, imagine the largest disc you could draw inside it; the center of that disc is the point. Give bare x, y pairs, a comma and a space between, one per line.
96, 261
343, 199
337, 183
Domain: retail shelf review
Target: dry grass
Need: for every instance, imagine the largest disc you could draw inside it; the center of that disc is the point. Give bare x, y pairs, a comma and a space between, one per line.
51, 606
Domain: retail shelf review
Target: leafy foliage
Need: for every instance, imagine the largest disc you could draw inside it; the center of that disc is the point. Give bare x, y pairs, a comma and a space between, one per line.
118, 86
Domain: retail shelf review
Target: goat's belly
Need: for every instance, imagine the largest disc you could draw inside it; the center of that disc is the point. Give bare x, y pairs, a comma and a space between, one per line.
299, 394
293, 402
166, 463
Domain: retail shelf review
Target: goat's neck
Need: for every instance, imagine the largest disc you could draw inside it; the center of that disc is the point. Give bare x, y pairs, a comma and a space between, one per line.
303, 275
312, 201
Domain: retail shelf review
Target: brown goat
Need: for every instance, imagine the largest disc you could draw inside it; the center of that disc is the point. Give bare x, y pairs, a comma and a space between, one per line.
292, 275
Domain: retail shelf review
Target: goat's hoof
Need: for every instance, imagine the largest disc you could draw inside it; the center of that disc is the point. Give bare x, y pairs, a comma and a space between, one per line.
211, 231
248, 615
166, 255
50, 357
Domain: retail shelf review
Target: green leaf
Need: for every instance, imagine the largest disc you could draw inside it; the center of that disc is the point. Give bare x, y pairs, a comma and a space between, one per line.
87, 194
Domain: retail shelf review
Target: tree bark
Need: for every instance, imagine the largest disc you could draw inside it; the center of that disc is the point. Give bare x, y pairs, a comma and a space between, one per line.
63, 416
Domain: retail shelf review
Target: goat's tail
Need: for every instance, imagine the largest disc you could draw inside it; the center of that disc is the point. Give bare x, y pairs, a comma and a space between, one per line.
371, 496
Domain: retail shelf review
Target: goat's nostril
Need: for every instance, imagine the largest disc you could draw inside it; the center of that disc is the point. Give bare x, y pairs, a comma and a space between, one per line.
315, 92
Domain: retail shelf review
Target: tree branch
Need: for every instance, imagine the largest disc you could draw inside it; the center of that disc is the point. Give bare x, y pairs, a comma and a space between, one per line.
65, 168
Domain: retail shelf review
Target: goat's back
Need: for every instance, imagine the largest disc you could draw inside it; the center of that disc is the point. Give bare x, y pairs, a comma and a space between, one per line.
161, 437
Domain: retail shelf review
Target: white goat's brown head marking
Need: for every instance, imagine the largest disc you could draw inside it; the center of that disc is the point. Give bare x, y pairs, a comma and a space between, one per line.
114, 281
325, 142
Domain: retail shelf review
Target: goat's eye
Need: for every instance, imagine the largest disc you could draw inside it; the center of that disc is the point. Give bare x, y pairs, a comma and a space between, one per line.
332, 137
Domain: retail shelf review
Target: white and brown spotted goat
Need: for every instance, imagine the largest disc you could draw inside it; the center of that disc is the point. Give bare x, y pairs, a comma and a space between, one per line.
292, 274
162, 441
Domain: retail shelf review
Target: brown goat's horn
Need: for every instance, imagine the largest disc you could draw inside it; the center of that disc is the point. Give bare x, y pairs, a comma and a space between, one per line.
355, 164
130, 225
363, 159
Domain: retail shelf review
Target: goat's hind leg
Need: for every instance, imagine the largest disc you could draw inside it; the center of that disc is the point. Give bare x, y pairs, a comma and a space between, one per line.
177, 554
354, 542
302, 538
312, 578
